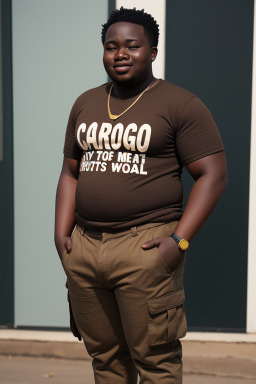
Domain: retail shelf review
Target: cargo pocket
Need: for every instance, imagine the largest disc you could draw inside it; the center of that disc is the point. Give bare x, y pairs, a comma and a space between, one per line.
167, 320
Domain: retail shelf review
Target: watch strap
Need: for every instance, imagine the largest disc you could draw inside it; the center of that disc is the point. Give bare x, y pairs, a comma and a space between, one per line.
176, 238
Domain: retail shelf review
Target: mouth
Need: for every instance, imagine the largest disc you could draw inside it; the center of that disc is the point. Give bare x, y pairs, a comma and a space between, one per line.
124, 67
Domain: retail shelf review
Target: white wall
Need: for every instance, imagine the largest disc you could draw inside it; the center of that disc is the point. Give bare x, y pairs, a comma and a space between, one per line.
57, 54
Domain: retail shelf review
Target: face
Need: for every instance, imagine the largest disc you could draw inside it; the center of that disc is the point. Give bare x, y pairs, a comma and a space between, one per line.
128, 56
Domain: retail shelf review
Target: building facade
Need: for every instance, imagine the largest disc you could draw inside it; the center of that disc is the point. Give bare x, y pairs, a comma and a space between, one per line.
51, 53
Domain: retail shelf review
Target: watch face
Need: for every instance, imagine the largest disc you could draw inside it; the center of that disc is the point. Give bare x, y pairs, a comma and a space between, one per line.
183, 244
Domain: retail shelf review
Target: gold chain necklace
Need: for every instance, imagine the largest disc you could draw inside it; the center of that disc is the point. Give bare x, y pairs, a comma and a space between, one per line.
114, 117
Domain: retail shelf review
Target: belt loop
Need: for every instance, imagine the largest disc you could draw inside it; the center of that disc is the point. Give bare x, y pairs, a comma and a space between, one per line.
134, 231
81, 229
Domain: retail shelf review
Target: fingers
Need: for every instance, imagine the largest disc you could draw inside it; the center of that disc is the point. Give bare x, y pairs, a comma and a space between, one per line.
151, 243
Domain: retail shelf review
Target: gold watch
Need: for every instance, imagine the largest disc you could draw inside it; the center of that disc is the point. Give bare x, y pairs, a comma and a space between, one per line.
182, 243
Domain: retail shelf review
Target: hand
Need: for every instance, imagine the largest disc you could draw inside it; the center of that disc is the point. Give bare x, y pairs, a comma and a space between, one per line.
168, 250
62, 244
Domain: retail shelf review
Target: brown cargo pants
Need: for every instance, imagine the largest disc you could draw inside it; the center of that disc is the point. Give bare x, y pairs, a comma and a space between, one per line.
127, 305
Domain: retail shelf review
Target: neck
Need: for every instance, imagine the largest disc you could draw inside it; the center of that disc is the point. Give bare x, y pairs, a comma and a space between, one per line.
126, 90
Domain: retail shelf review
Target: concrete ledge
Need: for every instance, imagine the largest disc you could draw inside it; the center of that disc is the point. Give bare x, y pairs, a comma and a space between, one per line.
18, 334
202, 349
221, 337
63, 350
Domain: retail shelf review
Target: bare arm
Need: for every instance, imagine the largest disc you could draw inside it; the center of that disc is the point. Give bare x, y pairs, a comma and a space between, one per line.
210, 175
65, 205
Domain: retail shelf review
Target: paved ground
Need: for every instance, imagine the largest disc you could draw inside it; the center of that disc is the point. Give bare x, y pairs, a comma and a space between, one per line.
37, 370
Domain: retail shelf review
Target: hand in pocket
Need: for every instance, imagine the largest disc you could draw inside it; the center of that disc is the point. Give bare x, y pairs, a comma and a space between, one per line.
168, 250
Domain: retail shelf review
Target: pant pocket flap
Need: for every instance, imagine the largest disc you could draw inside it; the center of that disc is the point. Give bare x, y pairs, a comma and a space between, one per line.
162, 303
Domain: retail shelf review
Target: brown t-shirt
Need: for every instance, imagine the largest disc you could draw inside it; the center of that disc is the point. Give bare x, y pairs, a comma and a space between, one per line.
130, 168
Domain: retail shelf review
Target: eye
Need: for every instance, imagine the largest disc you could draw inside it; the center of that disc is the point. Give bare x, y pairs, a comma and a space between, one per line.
110, 48
133, 47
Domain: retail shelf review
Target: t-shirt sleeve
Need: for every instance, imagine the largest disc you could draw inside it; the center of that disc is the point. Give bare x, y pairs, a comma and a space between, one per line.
197, 135
71, 148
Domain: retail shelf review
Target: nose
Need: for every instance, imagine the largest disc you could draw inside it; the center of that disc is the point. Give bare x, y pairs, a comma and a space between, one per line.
121, 53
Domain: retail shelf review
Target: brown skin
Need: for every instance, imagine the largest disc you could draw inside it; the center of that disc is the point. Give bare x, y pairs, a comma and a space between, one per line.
126, 46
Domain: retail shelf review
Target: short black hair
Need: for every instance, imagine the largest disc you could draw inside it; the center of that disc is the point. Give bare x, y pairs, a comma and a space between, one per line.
135, 16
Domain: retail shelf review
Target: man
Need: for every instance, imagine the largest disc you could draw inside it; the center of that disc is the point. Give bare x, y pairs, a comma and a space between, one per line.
120, 193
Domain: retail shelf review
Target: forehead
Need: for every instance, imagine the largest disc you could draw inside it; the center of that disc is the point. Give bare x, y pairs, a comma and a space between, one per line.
125, 30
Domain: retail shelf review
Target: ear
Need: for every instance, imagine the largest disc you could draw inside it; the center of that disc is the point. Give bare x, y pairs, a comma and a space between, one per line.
154, 51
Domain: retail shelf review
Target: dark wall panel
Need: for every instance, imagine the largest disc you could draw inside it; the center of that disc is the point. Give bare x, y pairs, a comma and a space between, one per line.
209, 52
111, 7
6, 176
